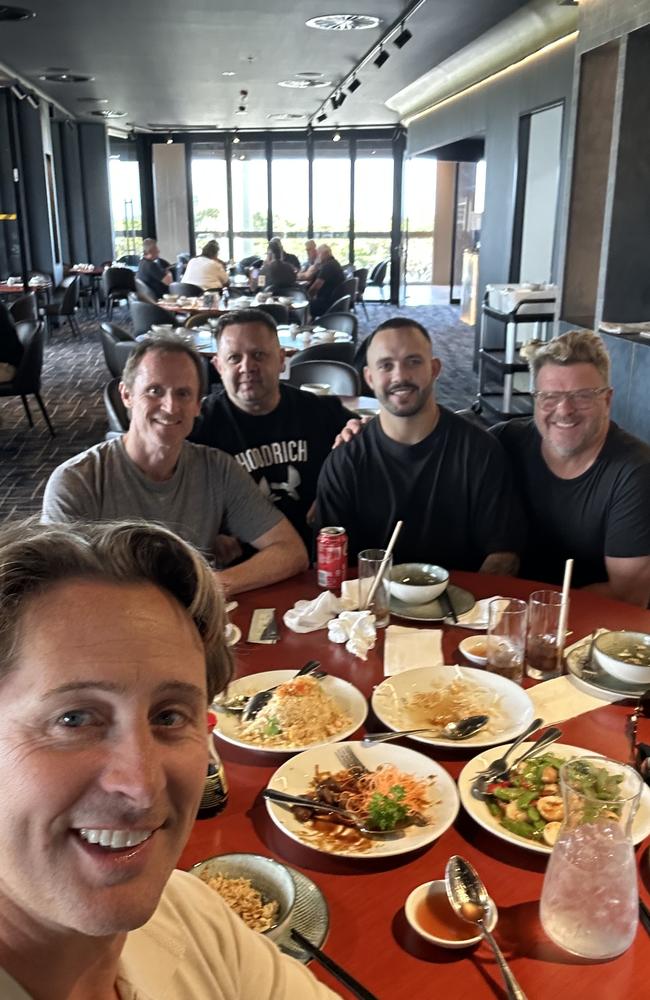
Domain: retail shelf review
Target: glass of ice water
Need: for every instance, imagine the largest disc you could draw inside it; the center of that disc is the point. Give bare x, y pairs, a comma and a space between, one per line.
590, 900
506, 637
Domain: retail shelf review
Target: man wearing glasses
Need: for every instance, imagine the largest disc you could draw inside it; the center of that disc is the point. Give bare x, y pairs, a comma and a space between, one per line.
585, 482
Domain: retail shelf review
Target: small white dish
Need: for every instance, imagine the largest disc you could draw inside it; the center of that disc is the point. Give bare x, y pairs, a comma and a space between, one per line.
474, 649
436, 892
417, 583
233, 634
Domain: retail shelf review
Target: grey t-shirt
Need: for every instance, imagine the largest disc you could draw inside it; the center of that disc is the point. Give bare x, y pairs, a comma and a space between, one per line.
208, 494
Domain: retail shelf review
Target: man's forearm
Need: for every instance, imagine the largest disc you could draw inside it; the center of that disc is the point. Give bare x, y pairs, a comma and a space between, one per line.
501, 564
276, 562
629, 593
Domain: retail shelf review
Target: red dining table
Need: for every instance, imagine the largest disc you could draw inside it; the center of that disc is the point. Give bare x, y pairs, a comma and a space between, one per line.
369, 935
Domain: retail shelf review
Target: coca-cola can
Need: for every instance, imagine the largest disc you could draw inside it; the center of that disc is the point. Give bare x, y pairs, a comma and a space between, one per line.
332, 557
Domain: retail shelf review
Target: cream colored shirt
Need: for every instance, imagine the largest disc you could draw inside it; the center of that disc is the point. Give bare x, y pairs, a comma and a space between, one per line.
205, 272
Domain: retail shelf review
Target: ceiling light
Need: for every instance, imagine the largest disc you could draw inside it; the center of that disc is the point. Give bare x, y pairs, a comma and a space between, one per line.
343, 22
382, 57
336, 137
66, 78
236, 139
242, 156
342, 98
403, 37
15, 13
353, 85
322, 117
304, 84
109, 114
169, 140
286, 116
228, 72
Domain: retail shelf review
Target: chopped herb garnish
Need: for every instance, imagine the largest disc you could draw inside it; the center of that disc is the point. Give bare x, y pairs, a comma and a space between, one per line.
272, 727
386, 811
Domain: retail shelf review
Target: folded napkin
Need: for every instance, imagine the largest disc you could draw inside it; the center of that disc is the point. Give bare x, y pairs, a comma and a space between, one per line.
566, 697
411, 647
307, 616
356, 629
476, 617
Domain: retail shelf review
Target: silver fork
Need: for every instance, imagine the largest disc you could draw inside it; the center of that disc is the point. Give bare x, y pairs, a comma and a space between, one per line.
349, 759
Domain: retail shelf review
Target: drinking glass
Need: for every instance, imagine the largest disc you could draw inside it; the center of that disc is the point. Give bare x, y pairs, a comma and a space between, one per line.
369, 562
590, 900
542, 659
506, 637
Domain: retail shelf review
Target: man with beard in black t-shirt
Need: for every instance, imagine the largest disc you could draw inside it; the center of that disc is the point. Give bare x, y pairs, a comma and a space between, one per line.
278, 433
419, 463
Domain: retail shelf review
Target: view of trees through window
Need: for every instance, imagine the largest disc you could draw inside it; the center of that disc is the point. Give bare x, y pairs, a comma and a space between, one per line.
126, 210
419, 210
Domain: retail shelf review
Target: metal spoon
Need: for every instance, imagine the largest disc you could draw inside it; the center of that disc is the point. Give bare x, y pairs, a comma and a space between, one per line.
501, 762
469, 899
460, 730
242, 702
482, 780
284, 799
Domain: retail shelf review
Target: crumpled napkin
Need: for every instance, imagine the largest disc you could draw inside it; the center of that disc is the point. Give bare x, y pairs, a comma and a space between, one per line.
307, 616
356, 629
406, 648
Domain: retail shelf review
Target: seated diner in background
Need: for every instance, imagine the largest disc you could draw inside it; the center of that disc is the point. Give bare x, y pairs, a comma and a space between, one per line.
111, 649
290, 258
152, 271
275, 271
154, 474
276, 432
11, 349
585, 482
206, 270
310, 265
328, 278
420, 463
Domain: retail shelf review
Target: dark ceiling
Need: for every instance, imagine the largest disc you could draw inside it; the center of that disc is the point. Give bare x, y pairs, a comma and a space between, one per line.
161, 61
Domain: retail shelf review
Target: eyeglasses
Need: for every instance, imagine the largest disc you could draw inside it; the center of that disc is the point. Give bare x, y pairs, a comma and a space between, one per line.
582, 399
639, 752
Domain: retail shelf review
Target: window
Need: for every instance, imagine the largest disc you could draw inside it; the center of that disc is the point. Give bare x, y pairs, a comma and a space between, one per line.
209, 192
419, 213
290, 195
249, 199
373, 203
331, 172
126, 210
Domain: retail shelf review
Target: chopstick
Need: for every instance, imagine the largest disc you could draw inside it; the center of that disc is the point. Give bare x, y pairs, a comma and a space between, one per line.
644, 915
445, 600
343, 977
384, 563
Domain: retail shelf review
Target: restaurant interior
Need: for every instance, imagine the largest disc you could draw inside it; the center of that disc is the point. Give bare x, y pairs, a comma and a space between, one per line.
455, 156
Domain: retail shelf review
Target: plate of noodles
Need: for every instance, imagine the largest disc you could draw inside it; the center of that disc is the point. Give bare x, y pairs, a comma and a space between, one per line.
410, 798
302, 713
434, 696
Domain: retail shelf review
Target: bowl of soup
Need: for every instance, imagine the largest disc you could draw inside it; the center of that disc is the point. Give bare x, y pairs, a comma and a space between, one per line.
430, 913
624, 655
417, 583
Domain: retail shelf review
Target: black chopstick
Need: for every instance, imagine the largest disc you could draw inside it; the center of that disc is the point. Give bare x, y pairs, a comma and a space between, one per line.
343, 977
644, 915
445, 600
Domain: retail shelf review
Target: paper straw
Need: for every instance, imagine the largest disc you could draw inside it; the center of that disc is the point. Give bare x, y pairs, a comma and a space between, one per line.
564, 608
384, 563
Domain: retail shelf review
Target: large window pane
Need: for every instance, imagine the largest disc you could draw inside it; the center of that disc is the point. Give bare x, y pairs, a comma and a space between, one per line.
419, 212
249, 190
209, 192
126, 210
332, 196
373, 203
290, 195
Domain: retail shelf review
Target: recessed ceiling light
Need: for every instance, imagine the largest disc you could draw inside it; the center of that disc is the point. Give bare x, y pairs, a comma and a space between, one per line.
336, 137
236, 139
287, 116
343, 22
242, 156
228, 72
15, 13
108, 113
304, 84
66, 78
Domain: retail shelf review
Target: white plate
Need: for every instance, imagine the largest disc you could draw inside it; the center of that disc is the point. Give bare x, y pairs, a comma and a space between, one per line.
479, 811
515, 703
347, 697
295, 775
466, 648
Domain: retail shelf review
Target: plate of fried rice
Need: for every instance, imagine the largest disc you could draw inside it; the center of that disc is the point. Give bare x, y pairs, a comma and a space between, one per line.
303, 712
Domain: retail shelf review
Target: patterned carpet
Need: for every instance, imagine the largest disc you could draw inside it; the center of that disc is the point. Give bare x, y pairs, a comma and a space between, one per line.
74, 374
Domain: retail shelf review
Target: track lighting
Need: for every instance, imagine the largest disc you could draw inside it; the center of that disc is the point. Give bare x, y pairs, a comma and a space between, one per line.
403, 37
382, 57
353, 85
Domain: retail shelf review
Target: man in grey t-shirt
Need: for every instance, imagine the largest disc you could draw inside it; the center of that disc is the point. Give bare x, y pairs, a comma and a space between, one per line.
153, 473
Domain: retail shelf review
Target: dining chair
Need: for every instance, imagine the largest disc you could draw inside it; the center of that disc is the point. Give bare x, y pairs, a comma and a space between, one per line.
378, 277
117, 345
143, 291
341, 378
144, 315
64, 304
343, 322
296, 292
27, 380
324, 352
117, 282
339, 305
185, 288
276, 311
198, 319
347, 287
116, 412
24, 308
362, 278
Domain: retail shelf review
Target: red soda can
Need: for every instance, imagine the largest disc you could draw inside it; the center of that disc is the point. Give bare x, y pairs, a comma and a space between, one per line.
332, 557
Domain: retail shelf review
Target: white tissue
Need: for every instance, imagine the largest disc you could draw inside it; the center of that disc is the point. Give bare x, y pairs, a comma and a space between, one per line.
356, 629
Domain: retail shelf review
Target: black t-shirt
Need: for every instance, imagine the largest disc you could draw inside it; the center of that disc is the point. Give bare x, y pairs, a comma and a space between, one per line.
331, 274
453, 490
152, 273
603, 512
279, 273
11, 349
283, 450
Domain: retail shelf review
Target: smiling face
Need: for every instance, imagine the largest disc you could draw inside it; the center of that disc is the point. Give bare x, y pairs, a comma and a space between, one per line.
401, 370
164, 400
568, 430
102, 738
249, 361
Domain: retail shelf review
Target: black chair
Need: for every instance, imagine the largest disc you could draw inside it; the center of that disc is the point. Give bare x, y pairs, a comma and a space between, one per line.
24, 308
343, 322
118, 345
359, 363
144, 315
277, 311
143, 291
27, 380
324, 352
341, 378
347, 287
117, 282
296, 292
65, 302
340, 305
378, 277
185, 288
116, 412
362, 279
348, 270
130, 259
